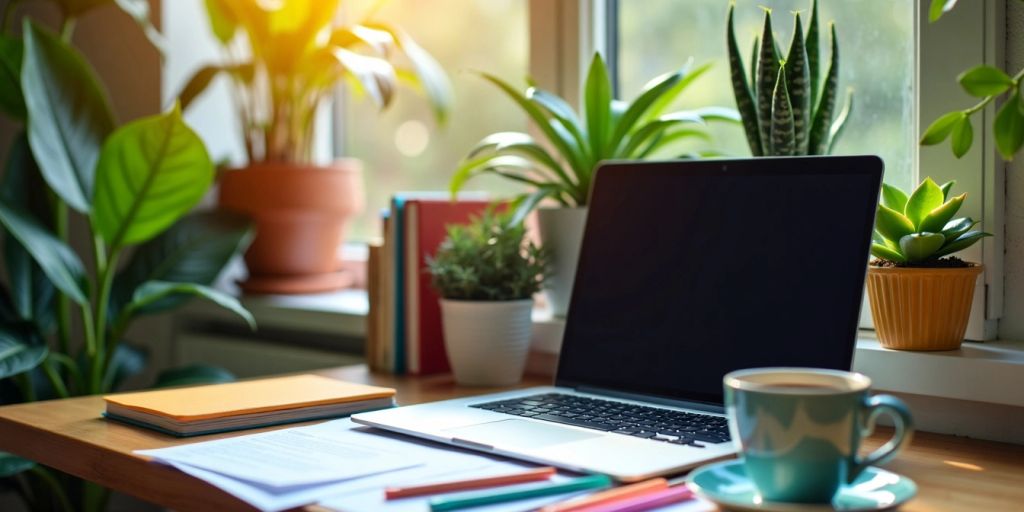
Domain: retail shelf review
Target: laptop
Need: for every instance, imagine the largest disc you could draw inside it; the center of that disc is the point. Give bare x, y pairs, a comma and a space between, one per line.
688, 270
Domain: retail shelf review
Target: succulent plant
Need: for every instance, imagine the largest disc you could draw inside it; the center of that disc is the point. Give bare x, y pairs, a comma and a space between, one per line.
787, 106
919, 229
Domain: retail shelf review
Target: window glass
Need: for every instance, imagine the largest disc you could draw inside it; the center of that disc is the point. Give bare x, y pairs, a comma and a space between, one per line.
876, 46
403, 148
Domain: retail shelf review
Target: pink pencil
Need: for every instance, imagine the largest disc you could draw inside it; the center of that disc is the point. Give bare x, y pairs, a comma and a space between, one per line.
645, 501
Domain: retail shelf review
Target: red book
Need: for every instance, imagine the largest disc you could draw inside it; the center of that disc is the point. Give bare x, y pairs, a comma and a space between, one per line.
425, 223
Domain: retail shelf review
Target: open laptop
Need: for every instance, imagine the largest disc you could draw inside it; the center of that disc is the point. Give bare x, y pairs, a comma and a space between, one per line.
688, 270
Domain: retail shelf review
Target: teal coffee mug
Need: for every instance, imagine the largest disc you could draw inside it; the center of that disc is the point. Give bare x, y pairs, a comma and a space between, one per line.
799, 429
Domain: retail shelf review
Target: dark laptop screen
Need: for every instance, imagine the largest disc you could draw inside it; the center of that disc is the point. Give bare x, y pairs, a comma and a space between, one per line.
690, 270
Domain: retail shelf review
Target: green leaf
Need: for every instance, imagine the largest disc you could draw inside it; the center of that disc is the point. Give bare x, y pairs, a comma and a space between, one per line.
798, 88
12, 101
57, 260
767, 75
936, 220
813, 46
193, 375
783, 125
946, 187
429, 73
941, 128
202, 78
597, 100
956, 227
636, 111
839, 124
222, 20
938, 8
194, 250
11, 465
375, 75
982, 81
151, 172
920, 246
741, 90
894, 198
885, 253
138, 10
818, 142
69, 115
961, 242
563, 113
17, 355
525, 203
927, 197
1009, 127
152, 292
892, 224
963, 136
521, 144
128, 361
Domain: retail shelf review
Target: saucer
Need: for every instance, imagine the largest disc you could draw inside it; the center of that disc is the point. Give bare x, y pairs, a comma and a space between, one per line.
726, 484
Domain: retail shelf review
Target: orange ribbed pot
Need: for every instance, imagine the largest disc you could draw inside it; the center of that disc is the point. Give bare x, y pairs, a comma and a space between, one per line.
921, 308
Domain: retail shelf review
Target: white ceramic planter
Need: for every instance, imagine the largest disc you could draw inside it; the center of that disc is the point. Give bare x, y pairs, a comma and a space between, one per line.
561, 231
487, 342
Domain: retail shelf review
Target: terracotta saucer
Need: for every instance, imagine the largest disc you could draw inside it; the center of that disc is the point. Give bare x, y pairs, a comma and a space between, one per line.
314, 283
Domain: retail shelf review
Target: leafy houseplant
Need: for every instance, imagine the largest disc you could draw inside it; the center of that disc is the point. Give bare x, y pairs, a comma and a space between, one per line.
920, 295
787, 105
486, 274
284, 59
563, 170
987, 83
131, 183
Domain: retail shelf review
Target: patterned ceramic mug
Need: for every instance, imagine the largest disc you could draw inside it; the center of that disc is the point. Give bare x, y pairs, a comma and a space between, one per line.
799, 429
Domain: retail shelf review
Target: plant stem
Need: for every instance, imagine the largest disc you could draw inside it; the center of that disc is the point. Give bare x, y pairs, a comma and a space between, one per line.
105, 267
60, 219
54, 486
67, 29
988, 99
55, 381
28, 392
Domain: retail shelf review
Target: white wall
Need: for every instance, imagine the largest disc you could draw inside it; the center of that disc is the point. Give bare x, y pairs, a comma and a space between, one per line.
1011, 326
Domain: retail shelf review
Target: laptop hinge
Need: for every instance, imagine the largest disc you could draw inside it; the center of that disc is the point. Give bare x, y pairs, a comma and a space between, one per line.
686, 404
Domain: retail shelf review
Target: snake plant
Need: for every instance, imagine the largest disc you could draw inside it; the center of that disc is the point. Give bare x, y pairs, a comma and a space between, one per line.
919, 229
787, 106
563, 168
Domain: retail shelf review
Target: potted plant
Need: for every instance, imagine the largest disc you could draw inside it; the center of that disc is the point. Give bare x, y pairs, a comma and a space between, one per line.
486, 274
920, 294
293, 58
562, 168
787, 105
63, 326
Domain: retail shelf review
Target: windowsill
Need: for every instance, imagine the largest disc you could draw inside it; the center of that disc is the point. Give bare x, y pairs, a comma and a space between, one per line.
991, 372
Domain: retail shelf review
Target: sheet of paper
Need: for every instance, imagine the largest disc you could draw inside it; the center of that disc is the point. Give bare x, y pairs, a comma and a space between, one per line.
291, 457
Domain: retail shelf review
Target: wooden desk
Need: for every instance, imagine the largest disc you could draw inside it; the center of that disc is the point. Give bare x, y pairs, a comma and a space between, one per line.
953, 473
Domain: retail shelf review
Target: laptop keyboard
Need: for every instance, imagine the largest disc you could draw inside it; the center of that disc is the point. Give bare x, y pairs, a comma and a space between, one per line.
676, 427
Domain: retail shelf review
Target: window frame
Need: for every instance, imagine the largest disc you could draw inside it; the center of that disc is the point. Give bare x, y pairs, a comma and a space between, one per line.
564, 33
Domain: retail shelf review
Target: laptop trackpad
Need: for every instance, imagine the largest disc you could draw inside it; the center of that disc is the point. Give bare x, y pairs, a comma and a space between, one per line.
519, 433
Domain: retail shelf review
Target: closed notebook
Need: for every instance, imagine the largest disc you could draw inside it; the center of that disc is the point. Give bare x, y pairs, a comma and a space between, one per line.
239, 405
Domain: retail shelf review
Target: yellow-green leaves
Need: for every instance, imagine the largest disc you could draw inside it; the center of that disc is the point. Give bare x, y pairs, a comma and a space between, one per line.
60, 264
892, 224
598, 98
939, 7
893, 198
984, 81
936, 219
926, 198
919, 246
150, 172
941, 128
1009, 127
963, 137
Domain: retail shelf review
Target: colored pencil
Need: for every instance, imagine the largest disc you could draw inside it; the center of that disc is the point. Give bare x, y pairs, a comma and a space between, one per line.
519, 492
609, 496
647, 501
532, 475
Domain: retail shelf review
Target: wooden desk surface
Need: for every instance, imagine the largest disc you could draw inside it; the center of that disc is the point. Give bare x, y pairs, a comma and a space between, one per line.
953, 473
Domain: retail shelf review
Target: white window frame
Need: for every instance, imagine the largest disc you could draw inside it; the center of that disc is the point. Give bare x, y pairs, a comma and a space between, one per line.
564, 33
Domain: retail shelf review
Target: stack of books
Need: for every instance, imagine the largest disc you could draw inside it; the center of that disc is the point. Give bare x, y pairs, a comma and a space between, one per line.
404, 333
215, 408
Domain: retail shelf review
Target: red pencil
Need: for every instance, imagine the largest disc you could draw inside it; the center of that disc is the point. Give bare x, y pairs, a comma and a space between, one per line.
532, 475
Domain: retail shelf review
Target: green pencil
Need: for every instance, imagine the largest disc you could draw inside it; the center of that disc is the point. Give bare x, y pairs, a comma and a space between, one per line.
519, 492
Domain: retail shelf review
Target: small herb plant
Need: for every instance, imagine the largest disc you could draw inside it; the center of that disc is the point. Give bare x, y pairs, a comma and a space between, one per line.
488, 260
606, 129
787, 105
917, 231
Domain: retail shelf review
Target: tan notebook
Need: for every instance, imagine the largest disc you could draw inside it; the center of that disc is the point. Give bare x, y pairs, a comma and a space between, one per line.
256, 403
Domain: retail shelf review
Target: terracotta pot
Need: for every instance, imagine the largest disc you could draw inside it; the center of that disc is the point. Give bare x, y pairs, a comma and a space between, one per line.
301, 213
921, 308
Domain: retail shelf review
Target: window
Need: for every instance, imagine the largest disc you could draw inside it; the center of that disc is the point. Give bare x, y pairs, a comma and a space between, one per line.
403, 148
876, 61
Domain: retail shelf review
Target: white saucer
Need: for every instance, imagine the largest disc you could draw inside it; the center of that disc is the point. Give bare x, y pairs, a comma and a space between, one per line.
727, 485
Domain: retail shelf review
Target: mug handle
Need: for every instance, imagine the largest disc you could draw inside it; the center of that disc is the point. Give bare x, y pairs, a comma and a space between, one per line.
900, 413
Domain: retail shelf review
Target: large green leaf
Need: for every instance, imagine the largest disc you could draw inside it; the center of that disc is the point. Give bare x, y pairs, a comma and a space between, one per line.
981, 81
194, 250
741, 88
886, 253
17, 354
69, 114
921, 246
640, 106
152, 292
151, 172
597, 100
11, 99
57, 260
956, 227
892, 224
941, 128
894, 198
767, 75
1009, 127
927, 197
193, 375
936, 219
11, 465
963, 137
961, 242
